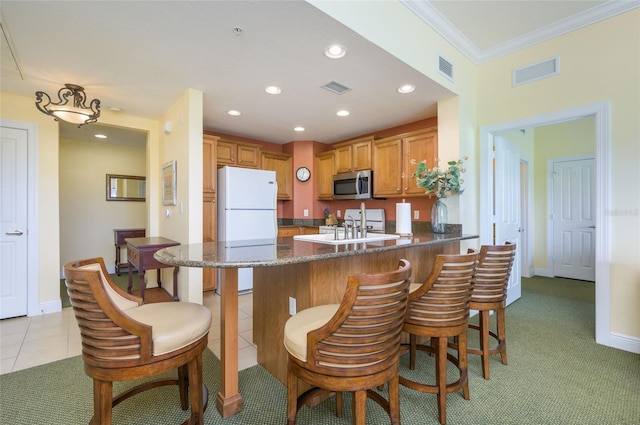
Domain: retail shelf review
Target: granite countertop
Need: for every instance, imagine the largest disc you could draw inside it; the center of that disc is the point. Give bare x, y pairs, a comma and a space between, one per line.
286, 250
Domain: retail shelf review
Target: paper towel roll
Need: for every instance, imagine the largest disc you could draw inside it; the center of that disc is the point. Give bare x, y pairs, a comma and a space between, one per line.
403, 219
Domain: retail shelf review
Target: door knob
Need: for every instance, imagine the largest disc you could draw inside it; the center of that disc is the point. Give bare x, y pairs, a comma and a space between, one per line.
15, 233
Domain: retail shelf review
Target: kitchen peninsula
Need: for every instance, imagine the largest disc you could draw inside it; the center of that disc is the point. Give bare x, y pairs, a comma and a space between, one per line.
312, 273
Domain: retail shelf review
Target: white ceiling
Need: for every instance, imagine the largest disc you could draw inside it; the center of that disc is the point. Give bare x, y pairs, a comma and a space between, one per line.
141, 56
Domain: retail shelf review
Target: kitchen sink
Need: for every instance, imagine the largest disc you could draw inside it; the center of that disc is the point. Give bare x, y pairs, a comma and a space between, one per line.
329, 238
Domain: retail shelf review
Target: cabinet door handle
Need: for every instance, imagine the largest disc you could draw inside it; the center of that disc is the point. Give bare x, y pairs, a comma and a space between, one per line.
16, 232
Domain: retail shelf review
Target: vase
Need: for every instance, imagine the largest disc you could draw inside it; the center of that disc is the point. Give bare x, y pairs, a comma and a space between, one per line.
439, 217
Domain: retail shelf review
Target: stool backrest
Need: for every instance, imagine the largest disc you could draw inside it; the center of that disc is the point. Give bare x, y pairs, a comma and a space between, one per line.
109, 337
443, 299
364, 334
492, 277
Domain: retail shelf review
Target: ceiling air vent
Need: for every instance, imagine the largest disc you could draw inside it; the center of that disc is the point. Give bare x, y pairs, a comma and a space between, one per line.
445, 67
536, 71
336, 87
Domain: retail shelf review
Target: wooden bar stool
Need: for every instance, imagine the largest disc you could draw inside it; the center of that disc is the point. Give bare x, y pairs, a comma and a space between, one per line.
439, 309
490, 293
123, 340
352, 346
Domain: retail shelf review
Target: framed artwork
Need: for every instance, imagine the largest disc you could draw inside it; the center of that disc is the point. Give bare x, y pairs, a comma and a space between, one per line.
169, 183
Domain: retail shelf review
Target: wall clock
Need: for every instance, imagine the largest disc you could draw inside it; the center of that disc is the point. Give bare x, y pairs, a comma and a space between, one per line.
303, 174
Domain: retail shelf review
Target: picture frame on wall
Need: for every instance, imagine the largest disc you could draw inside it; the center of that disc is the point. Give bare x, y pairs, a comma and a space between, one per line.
169, 196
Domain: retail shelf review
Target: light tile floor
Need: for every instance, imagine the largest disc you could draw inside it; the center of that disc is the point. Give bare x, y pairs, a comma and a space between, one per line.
31, 341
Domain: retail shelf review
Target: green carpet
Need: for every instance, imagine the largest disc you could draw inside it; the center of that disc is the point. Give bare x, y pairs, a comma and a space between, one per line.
557, 374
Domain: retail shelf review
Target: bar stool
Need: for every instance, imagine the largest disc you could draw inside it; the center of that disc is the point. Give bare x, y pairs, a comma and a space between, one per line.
490, 293
352, 346
439, 309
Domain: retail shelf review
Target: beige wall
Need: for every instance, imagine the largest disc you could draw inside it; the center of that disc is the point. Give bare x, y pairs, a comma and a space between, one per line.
586, 77
486, 97
49, 264
183, 222
20, 108
87, 219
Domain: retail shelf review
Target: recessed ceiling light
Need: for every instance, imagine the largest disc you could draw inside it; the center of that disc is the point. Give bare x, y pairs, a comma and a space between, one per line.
233, 113
273, 90
298, 128
406, 88
335, 51
100, 136
343, 113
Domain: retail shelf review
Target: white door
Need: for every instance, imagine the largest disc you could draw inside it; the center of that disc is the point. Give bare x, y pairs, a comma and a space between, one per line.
506, 219
13, 218
574, 218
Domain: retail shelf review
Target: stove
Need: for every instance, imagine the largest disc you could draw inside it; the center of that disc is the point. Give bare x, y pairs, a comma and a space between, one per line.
375, 221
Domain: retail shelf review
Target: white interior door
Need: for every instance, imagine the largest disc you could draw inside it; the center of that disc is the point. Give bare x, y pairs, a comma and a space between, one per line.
506, 217
574, 219
13, 218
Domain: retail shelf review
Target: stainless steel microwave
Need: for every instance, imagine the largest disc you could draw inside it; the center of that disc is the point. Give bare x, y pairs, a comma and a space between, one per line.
356, 185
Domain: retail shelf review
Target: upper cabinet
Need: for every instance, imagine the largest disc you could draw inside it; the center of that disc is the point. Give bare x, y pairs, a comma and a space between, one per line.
354, 155
209, 174
325, 169
281, 163
245, 155
392, 162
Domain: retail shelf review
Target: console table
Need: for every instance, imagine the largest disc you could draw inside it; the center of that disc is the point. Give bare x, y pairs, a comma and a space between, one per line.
119, 236
140, 255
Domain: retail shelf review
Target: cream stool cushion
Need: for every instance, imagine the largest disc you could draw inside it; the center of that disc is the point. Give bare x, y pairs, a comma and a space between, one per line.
414, 286
174, 324
299, 325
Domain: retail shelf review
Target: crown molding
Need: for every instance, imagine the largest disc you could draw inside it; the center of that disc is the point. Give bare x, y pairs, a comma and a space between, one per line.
436, 20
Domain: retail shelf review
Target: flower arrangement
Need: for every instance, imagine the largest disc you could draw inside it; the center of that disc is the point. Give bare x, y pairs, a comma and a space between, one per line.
441, 183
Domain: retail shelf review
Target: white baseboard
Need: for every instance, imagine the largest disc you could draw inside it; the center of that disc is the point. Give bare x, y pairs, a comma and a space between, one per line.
49, 307
624, 342
542, 272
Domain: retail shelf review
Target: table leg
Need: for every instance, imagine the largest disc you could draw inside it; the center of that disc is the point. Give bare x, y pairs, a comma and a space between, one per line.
130, 286
118, 260
142, 285
175, 283
229, 400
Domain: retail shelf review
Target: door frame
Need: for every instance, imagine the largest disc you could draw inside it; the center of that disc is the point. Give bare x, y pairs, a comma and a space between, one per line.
550, 206
526, 222
33, 259
601, 111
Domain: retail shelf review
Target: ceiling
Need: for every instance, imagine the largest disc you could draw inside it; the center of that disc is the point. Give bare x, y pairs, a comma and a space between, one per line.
141, 56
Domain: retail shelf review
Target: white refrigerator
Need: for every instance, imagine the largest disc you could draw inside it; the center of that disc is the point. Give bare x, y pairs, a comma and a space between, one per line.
247, 213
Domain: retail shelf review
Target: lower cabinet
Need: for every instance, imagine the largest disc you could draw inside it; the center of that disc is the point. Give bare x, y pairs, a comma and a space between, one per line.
297, 230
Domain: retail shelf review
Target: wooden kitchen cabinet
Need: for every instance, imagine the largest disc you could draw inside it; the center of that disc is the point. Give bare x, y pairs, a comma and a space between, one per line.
354, 155
209, 171
209, 204
281, 163
245, 155
288, 231
392, 162
297, 230
325, 169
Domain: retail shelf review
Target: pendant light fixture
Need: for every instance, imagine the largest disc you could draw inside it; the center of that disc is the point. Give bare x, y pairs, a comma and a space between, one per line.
70, 107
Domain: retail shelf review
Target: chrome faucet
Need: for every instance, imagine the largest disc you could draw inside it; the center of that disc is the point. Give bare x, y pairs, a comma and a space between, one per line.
363, 221
347, 226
